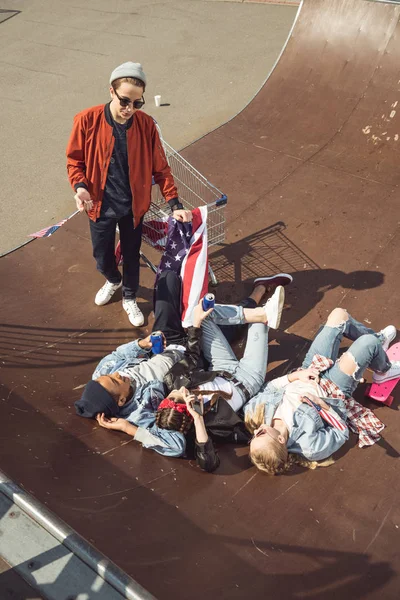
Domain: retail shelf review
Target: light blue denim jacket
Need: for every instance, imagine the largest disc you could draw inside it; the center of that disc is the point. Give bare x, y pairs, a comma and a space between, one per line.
141, 408
311, 436
123, 357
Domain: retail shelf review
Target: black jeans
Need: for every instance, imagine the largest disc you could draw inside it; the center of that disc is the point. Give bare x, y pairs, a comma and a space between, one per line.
103, 241
168, 309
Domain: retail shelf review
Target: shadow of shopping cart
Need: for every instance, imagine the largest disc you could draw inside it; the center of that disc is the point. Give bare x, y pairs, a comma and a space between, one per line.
268, 250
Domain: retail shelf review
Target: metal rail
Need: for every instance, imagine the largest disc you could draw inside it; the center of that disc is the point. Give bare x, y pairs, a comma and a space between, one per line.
67, 536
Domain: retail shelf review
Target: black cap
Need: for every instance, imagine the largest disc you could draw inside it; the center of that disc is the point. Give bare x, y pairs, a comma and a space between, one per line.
95, 399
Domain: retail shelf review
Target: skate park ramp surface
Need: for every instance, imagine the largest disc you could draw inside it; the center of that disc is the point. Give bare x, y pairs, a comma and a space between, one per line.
310, 167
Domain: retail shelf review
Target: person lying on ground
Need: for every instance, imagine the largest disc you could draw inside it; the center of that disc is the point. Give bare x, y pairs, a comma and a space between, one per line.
115, 390
304, 414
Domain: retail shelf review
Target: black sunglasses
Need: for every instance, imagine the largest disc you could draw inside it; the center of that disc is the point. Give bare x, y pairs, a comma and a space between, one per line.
124, 102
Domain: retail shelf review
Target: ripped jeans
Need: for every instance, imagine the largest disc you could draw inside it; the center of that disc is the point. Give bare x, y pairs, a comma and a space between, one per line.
366, 351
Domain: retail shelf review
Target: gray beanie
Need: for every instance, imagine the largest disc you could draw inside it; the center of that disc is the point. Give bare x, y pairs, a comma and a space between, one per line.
128, 69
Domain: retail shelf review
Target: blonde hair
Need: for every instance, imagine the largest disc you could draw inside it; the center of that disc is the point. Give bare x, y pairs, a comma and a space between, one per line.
274, 457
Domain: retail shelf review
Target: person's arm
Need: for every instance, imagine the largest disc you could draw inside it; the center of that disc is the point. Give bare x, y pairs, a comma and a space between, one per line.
137, 349
317, 441
163, 441
162, 173
76, 165
302, 375
206, 456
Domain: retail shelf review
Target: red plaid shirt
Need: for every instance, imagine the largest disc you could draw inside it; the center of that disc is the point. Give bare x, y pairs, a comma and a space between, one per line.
361, 420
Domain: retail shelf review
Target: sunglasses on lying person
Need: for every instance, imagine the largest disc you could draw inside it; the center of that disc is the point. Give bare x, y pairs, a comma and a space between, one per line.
124, 102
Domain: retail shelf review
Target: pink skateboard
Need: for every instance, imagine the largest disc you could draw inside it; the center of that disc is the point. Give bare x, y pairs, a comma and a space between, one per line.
381, 391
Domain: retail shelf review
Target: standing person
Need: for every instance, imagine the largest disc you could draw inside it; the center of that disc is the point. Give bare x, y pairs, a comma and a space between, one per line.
113, 153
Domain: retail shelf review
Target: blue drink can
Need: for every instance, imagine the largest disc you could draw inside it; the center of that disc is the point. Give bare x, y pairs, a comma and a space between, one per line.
157, 342
208, 301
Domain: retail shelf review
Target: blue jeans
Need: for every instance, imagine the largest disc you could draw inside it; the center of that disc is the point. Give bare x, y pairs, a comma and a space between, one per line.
251, 369
366, 351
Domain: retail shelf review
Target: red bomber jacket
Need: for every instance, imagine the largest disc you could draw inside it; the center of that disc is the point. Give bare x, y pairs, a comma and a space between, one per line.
89, 152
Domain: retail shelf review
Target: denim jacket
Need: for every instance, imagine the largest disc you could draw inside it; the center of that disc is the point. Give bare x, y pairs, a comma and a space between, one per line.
311, 436
123, 357
141, 408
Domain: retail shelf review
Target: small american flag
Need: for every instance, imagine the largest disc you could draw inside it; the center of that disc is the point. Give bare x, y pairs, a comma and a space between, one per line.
48, 231
186, 253
328, 415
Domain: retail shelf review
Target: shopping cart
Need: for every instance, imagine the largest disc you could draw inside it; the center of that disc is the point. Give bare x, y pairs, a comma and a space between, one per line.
193, 190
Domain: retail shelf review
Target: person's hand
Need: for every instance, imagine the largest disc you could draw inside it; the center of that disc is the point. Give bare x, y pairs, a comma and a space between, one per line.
146, 344
306, 375
114, 423
184, 216
199, 314
83, 199
189, 399
316, 400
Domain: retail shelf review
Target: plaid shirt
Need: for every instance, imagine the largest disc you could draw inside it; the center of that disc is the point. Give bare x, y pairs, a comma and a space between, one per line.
361, 420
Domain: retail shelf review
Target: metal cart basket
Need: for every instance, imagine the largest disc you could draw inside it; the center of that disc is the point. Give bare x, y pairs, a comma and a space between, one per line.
194, 190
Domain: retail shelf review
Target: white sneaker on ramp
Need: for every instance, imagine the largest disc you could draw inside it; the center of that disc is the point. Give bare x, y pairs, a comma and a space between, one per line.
133, 311
105, 293
274, 306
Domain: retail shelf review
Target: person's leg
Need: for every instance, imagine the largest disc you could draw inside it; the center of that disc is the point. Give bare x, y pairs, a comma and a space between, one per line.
131, 239
252, 367
327, 341
366, 351
167, 307
233, 334
102, 233
216, 348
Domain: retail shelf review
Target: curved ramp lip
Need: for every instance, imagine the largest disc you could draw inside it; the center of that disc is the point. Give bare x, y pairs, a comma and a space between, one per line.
266, 79
98, 562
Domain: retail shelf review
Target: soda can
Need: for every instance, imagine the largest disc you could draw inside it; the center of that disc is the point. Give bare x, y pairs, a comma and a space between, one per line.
208, 301
157, 342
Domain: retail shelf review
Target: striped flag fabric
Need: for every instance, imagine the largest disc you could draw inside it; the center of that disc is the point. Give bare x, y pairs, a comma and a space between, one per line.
194, 271
186, 254
329, 416
48, 231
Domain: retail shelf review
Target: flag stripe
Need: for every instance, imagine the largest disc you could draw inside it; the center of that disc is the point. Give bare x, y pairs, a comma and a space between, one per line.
194, 271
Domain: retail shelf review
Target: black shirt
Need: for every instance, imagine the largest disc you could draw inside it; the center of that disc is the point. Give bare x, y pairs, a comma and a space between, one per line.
117, 197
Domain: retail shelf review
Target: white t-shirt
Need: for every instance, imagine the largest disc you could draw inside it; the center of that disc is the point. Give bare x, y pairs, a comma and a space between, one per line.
291, 397
223, 385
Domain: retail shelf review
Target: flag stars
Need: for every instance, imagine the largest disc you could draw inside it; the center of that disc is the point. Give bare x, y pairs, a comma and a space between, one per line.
177, 257
173, 245
168, 264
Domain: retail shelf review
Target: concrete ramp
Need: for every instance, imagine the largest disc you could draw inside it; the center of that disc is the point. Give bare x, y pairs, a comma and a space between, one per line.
311, 171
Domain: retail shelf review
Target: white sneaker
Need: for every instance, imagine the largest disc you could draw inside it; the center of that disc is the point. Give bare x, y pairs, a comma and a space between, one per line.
274, 306
393, 373
387, 336
105, 293
133, 311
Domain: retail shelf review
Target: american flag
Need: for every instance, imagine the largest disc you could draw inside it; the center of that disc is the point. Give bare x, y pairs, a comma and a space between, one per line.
48, 231
329, 416
186, 254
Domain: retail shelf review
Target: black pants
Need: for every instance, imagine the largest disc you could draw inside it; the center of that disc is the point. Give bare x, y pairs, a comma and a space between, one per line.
103, 241
167, 311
